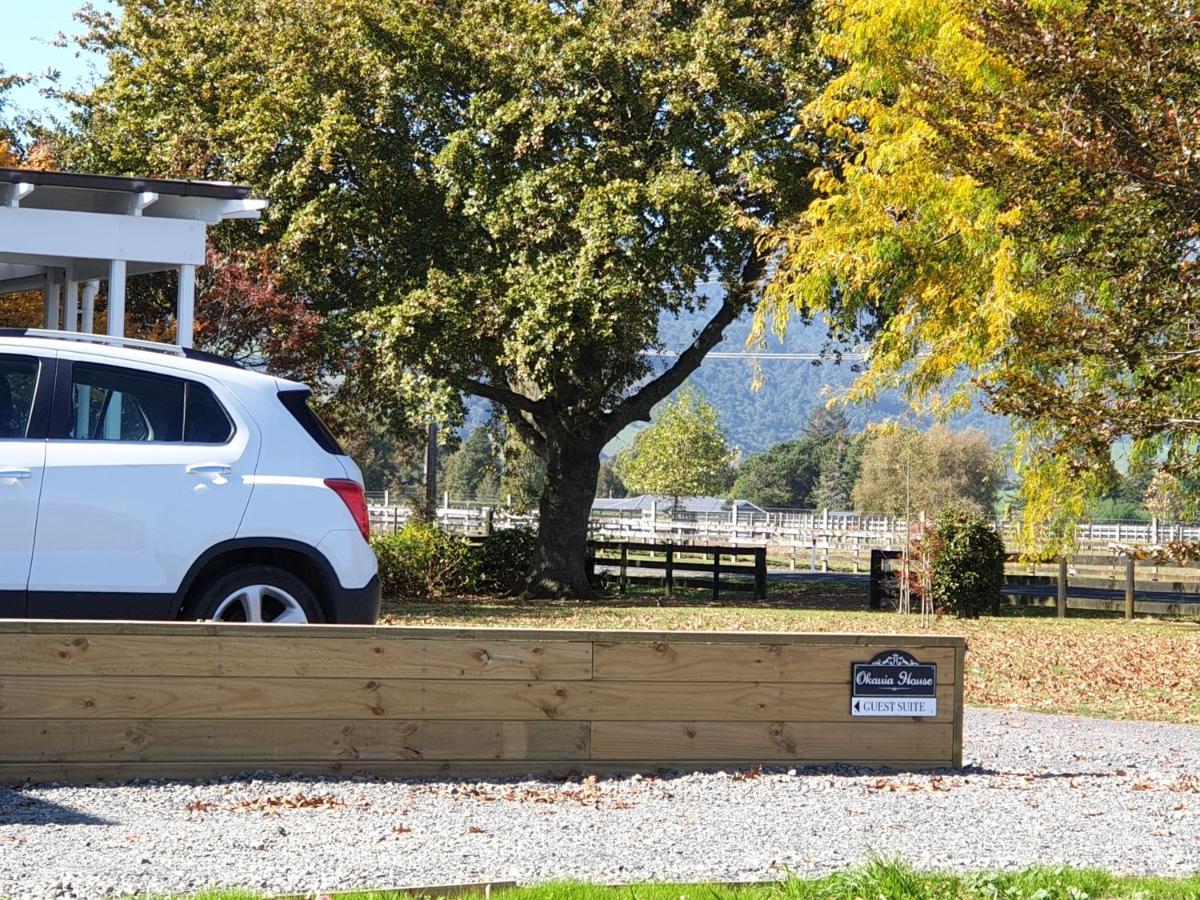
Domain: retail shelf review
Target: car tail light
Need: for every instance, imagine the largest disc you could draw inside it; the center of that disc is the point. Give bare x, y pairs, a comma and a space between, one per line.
352, 495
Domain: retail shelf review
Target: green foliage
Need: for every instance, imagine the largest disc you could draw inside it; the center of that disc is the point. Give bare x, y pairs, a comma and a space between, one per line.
473, 471
1168, 497
1014, 196
815, 471
966, 559
682, 454
524, 476
503, 558
906, 472
609, 484
783, 476
424, 560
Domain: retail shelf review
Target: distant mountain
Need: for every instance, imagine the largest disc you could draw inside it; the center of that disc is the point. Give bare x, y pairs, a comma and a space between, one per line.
757, 419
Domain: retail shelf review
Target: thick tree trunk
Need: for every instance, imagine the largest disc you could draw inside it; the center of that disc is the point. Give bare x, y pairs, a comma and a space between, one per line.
559, 567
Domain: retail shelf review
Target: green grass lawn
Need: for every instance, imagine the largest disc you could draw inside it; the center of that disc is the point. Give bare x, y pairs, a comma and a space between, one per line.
875, 881
1091, 665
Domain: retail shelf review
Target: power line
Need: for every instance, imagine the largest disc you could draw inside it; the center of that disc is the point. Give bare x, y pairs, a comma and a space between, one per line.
760, 357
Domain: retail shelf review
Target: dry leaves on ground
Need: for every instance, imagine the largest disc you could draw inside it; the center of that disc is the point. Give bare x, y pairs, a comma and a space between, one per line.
270, 806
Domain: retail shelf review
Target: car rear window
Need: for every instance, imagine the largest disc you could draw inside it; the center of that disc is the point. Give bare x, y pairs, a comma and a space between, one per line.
296, 403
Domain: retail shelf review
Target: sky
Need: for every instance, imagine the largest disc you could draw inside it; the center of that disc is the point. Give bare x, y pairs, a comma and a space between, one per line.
29, 29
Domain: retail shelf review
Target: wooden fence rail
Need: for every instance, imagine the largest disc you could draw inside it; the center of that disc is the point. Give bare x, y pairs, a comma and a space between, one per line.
81, 701
670, 558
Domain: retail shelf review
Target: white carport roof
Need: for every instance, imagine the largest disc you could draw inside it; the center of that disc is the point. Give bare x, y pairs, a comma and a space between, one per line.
61, 231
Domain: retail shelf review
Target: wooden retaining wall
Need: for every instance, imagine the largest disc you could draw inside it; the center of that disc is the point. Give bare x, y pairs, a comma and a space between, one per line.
81, 701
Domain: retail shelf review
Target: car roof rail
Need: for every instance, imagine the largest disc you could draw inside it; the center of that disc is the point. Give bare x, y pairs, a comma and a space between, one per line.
114, 341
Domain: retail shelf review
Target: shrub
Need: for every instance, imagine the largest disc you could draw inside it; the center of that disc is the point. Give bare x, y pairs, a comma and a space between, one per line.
503, 558
423, 560
967, 564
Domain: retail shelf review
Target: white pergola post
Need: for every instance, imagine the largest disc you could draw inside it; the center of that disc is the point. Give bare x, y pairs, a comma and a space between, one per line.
53, 298
71, 305
116, 298
88, 322
185, 307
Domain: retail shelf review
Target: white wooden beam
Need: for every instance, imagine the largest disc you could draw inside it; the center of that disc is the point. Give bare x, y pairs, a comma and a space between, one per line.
70, 235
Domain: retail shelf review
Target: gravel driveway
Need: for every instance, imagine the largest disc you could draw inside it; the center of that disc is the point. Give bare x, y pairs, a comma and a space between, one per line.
1123, 796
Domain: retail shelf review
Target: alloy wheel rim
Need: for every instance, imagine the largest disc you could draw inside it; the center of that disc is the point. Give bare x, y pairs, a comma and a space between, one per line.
262, 604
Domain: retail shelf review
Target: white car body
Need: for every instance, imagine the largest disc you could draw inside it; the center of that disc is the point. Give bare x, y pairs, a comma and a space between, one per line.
95, 523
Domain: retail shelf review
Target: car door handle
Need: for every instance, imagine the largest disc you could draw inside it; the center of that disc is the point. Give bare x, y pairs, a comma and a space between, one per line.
209, 469
15, 473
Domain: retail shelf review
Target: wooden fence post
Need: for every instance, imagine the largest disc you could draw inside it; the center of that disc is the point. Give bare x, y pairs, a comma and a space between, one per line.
876, 590
760, 573
624, 567
670, 570
1129, 587
1062, 587
716, 593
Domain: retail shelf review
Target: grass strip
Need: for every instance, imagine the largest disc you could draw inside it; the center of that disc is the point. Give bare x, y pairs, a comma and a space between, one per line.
877, 880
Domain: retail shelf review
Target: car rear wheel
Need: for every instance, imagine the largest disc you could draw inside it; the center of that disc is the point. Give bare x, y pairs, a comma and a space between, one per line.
259, 594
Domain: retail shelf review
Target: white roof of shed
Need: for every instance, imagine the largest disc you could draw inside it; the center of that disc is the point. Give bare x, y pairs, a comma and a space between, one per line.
697, 505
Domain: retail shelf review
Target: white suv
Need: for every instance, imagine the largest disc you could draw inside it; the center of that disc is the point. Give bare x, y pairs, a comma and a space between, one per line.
144, 481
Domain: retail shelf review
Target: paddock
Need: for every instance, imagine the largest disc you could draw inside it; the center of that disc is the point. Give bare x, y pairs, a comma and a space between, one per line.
87, 701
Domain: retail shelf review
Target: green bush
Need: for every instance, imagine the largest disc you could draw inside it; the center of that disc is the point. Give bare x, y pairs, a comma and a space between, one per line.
424, 560
966, 564
503, 559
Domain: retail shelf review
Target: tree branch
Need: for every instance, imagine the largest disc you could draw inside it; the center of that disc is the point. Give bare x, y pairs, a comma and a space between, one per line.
506, 397
533, 438
638, 406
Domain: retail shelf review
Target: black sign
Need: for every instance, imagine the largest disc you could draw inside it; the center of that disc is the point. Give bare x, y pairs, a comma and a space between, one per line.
909, 686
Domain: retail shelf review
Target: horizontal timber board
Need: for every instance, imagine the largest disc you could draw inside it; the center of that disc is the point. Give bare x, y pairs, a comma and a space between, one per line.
85, 773
678, 549
257, 742
783, 741
670, 660
291, 656
71, 627
108, 697
659, 564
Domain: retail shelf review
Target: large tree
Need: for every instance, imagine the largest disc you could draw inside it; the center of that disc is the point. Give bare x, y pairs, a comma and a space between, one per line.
684, 453
905, 472
521, 190
1016, 193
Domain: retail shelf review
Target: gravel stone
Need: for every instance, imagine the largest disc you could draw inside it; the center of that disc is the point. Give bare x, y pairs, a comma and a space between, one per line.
1122, 796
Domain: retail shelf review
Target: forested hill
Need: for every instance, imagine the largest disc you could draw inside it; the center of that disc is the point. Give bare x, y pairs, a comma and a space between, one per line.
757, 419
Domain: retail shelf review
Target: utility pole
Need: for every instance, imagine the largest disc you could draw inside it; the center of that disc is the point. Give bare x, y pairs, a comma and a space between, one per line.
431, 464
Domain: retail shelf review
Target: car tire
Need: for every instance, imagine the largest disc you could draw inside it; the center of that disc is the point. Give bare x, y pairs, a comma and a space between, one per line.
258, 593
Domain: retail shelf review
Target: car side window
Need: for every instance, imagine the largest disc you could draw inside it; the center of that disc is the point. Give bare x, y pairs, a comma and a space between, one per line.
205, 421
113, 404
18, 381
109, 403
